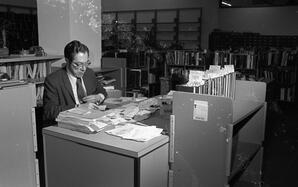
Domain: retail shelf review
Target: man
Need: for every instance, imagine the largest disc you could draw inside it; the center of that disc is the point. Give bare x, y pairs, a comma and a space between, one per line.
71, 85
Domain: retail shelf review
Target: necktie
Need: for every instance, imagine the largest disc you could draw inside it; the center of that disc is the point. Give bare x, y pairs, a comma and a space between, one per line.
80, 90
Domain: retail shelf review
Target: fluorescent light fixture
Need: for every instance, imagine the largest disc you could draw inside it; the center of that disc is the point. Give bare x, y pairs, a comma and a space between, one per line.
225, 3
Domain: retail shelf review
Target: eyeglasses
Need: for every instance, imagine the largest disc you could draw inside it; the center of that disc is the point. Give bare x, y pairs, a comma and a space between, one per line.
79, 65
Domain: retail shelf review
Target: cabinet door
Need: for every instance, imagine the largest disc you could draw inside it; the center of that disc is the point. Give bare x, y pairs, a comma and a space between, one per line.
200, 139
72, 164
154, 168
17, 158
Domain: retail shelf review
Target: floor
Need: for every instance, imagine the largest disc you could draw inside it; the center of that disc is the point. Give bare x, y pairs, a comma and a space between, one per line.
280, 164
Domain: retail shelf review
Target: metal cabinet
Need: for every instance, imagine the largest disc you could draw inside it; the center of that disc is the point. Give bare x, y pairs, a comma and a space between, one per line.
218, 140
18, 145
77, 159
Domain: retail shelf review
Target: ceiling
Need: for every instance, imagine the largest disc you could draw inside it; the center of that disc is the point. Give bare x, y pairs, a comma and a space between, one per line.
258, 3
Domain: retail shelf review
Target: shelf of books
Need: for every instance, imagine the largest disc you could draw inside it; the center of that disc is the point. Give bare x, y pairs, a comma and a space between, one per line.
178, 63
32, 69
185, 60
280, 67
245, 62
218, 81
144, 70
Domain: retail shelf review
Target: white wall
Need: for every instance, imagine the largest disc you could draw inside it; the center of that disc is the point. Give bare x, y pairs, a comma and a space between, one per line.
209, 18
59, 22
267, 21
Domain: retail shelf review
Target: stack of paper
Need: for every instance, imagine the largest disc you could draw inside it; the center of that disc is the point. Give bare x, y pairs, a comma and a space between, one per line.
136, 132
80, 119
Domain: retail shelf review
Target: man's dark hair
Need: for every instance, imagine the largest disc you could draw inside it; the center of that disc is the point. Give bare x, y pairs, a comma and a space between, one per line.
73, 48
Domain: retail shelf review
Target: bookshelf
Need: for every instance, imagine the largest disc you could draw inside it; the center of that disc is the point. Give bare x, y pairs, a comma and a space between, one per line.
279, 65
246, 62
178, 65
30, 69
229, 133
155, 28
220, 82
117, 72
222, 40
144, 70
274, 60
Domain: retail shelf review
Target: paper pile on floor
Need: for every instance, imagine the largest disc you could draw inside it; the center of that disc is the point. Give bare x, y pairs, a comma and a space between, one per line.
136, 132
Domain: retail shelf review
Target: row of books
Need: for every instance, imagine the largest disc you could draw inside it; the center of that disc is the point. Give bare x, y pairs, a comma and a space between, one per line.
243, 60
276, 57
268, 75
228, 39
287, 94
285, 77
33, 71
29, 72
189, 58
214, 81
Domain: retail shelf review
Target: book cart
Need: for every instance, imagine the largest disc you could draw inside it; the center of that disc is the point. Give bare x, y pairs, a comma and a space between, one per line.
217, 134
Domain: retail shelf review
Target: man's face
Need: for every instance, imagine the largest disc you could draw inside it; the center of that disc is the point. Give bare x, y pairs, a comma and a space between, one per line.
79, 64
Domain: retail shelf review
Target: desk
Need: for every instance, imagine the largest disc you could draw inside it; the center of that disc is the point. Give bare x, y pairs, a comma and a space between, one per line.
105, 70
77, 159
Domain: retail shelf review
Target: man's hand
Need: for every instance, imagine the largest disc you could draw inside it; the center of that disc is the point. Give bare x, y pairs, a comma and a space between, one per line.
98, 98
96, 107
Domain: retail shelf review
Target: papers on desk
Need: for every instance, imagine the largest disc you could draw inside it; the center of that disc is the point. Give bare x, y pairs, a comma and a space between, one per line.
80, 119
136, 132
88, 120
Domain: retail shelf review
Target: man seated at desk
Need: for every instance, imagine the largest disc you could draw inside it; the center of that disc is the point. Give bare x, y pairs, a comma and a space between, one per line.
71, 85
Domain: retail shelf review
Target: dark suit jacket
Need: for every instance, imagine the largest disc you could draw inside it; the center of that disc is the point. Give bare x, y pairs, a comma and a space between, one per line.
58, 95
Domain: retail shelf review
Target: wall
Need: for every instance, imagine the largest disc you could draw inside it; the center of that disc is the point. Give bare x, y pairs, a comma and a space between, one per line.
62, 21
267, 21
209, 18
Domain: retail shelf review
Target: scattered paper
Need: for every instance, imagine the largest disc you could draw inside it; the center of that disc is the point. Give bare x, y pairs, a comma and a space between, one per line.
136, 132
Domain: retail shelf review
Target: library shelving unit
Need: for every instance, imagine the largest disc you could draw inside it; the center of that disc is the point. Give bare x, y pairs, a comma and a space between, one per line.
280, 67
186, 59
29, 68
217, 140
156, 27
114, 68
245, 62
19, 161
144, 70
222, 40
178, 65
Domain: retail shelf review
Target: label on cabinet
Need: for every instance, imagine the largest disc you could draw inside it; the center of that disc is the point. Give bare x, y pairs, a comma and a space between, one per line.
200, 110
